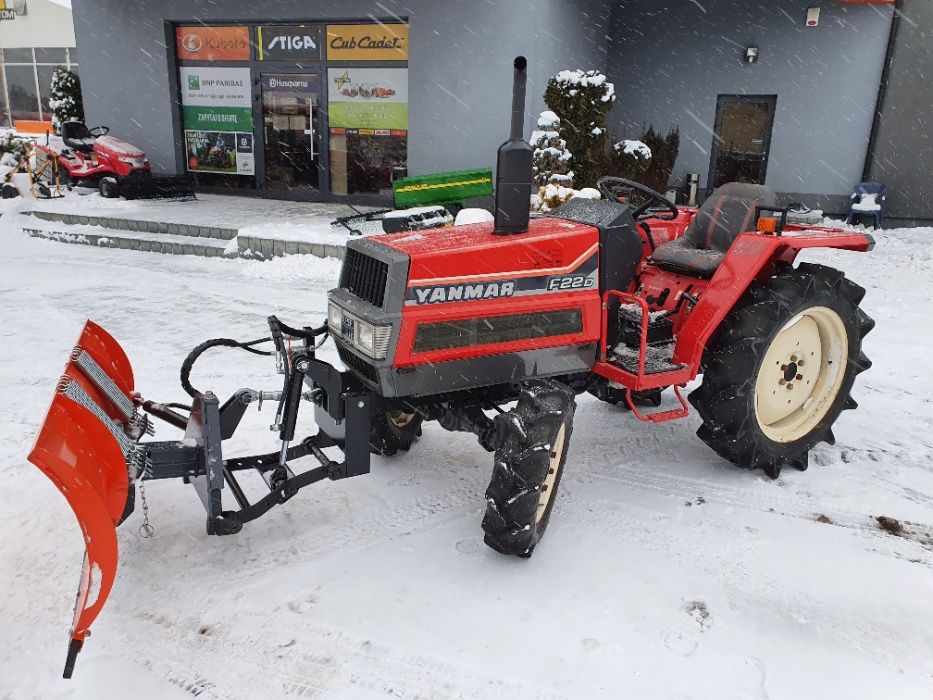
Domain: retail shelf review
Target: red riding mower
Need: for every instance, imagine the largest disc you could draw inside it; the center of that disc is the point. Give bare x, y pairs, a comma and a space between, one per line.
93, 157
493, 329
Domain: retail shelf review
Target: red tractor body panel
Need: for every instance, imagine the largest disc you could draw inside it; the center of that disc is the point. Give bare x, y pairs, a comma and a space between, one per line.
468, 272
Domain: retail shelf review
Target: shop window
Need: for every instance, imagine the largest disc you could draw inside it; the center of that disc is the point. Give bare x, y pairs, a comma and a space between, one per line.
4, 111
368, 123
21, 89
17, 55
45, 88
59, 56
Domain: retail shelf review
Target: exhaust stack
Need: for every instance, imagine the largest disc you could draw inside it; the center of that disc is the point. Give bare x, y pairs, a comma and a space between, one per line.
513, 165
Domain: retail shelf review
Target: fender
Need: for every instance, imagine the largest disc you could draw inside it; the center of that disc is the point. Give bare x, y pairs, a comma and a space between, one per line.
751, 255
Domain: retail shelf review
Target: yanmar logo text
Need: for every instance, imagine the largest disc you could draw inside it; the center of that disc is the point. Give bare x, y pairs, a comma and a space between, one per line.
463, 292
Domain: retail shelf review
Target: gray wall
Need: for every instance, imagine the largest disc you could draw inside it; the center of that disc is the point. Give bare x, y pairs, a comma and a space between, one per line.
904, 152
671, 58
459, 64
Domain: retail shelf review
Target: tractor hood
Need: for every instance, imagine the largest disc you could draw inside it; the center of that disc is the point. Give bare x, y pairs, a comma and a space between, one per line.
117, 148
444, 256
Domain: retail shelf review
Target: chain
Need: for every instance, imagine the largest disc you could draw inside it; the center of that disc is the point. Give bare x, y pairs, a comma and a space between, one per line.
145, 530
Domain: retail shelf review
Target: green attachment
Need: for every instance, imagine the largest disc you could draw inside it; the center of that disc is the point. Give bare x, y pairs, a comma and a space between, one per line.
441, 188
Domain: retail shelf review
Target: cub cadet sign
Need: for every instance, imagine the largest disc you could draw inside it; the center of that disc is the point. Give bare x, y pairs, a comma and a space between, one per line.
367, 42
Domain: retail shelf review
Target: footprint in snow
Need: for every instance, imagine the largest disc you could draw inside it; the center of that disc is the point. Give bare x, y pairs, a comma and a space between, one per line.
684, 642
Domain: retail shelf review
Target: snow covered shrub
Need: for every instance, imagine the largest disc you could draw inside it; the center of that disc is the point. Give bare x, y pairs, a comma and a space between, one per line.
649, 160
551, 157
582, 99
65, 98
12, 149
552, 196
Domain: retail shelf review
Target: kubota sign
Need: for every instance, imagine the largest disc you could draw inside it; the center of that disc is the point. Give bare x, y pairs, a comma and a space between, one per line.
212, 43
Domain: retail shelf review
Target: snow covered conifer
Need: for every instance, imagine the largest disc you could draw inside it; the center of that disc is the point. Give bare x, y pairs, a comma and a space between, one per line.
551, 157
65, 98
582, 99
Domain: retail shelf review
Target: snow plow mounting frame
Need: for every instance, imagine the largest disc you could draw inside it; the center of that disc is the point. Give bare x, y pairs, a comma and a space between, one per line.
90, 447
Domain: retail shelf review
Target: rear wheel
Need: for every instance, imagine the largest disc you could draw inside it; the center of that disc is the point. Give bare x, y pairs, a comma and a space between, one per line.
528, 467
779, 371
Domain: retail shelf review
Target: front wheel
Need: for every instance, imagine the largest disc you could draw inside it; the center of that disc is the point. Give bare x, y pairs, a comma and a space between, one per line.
394, 430
528, 467
109, 188
779, 370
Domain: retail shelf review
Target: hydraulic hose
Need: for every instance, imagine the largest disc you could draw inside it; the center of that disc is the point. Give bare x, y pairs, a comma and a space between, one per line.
193, 356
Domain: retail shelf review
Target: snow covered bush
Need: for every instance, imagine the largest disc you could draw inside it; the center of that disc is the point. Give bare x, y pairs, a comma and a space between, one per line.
582, 99
551, 157
552, 196
12, 149
65, 98
649, 160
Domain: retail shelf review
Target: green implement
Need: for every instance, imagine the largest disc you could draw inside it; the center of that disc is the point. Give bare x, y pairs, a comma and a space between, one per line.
442, 188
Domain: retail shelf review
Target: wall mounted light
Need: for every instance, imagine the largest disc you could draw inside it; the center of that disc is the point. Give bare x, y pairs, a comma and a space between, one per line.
751, 54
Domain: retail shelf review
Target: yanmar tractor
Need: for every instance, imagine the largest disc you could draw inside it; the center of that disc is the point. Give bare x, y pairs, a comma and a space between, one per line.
493, 329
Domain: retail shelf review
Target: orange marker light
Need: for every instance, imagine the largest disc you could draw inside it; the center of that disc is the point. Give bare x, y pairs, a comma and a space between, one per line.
767, 224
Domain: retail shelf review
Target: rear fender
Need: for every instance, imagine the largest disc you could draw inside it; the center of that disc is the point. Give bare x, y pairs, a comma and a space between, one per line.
751, 256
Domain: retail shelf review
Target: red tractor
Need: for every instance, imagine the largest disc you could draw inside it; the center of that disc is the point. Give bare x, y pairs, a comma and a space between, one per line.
494, 329
116, 168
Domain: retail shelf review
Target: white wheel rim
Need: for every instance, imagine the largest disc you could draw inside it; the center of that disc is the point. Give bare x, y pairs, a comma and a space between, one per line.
547, 488
801, 374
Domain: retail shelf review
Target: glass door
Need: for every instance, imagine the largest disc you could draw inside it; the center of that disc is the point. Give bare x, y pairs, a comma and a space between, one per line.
742, 139
291, 134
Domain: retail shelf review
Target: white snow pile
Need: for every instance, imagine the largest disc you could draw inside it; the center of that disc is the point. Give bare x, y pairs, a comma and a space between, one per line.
630, 147
590, 78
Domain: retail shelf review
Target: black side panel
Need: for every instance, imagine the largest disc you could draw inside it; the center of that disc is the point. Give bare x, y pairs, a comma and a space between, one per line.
620, 246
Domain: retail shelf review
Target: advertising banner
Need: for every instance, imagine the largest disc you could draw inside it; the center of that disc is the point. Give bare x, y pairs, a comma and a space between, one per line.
368, 98
288, 42
217, 119
200, 43
367, 42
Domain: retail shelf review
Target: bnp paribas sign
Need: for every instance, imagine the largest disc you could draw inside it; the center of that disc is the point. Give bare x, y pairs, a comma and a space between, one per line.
11, 9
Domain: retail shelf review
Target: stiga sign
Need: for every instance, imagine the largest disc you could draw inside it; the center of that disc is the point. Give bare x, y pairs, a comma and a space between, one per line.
367, 42
289, 42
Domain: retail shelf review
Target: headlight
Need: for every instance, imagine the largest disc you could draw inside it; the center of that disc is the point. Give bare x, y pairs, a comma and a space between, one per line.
334, 317
365, 337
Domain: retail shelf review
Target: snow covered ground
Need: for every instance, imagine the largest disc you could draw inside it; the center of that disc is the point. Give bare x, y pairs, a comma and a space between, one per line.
666, 573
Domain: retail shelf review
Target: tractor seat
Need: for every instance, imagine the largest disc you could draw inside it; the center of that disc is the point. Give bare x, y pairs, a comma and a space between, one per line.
76, 136
725, 214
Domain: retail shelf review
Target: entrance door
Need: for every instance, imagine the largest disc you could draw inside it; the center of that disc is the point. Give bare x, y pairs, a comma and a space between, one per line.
291, 131
741, 139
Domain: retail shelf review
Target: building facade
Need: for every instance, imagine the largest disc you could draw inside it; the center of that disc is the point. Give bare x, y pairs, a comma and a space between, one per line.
35, 37
331, 102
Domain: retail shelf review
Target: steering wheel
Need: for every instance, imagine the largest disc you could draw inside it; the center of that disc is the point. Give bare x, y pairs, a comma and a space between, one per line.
99, 131
607, 186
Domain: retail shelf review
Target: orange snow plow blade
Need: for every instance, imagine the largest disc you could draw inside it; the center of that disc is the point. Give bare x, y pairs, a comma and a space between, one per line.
86, 447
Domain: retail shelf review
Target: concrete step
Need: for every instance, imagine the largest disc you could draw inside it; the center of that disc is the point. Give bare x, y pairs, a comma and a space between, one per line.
136, 224
135, 240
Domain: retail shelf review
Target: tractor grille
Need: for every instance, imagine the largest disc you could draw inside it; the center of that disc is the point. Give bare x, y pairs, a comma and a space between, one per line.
360, 366
364, 277
446, 335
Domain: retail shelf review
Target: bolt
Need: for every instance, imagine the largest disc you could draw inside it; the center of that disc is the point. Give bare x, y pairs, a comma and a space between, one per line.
783, 368
800, 363
303, 365
782, 382
790, 386
544, 488
360, 404
799, 377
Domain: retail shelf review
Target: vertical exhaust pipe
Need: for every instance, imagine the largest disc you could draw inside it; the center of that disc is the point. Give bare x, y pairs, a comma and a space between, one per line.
513, 165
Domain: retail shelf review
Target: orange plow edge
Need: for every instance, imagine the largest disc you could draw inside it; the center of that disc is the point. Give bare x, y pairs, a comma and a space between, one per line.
86, 447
